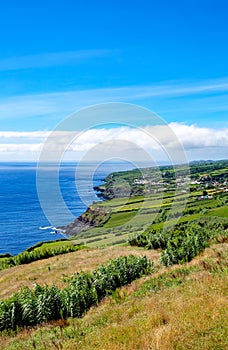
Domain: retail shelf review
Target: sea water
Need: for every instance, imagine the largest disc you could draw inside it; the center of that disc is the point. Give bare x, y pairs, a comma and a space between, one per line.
23, 222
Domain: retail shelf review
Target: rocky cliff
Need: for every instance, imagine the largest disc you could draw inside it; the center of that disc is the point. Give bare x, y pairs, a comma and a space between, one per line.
94, 216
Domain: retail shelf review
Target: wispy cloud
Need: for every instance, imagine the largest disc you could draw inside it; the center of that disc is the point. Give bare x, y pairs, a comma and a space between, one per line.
51, 59
202, 96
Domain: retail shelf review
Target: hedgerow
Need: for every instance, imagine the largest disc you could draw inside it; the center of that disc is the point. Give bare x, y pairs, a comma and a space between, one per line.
31, 307
27, 256
182, 242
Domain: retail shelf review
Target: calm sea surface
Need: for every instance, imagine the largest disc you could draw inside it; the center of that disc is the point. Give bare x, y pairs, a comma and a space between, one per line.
23, 222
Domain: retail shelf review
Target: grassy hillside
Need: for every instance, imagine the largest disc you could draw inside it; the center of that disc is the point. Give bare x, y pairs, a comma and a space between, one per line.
55, 269
176, 308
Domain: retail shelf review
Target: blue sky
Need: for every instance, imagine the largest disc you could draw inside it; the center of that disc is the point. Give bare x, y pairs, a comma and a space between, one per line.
59, 56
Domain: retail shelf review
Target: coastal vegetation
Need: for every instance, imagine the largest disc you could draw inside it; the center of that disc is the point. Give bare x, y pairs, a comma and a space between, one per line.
149, 273
177, 307
38, 252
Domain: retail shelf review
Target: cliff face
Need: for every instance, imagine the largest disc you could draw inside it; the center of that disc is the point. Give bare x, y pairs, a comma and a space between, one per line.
92, 217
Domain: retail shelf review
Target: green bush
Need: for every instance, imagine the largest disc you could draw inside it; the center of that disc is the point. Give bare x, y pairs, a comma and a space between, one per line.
150, 239
185, 246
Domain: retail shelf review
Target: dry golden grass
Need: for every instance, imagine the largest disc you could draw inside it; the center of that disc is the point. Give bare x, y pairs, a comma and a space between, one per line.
192, 315
185, 315
51, 271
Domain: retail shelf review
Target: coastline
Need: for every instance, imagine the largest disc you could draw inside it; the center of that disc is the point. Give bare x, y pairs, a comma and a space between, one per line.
22, 215
93, 216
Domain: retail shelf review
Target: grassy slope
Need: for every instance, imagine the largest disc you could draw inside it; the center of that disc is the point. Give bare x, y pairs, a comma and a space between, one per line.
54, 269
177, 308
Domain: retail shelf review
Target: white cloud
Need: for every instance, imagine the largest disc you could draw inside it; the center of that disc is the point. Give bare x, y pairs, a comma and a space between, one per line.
192, 136
23, 134
20, 149
197, 142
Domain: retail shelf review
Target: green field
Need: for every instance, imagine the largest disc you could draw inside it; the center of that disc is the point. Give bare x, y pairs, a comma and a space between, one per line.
138, 214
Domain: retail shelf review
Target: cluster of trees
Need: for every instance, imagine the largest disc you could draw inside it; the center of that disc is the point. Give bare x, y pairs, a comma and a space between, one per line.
182, 242
205, 167
31, 307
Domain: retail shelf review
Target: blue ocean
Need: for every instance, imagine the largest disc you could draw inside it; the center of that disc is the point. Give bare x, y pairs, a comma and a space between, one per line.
22, 218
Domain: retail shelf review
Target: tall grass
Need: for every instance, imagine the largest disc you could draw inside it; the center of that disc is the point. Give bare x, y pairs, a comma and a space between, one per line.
30, 307
183, 242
